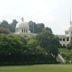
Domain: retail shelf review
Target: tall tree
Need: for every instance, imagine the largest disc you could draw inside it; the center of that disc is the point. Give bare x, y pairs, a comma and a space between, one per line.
47, 40
36, 28
40, 27
32, 26
13, 25
4, 24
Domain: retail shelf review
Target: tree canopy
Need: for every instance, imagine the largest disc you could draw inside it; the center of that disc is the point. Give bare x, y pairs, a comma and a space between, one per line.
47, 40
17, 49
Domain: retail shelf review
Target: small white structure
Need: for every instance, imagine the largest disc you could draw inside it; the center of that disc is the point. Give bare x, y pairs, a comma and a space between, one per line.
22, 27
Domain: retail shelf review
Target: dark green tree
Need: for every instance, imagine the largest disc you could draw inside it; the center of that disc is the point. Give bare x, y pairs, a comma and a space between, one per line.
4, 24
13, 25
11, 44
48, 41
34, 47
40, 27
36, 28
32, 26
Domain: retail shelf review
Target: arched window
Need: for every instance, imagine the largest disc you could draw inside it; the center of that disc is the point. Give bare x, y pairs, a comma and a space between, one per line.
67, 38
63, 39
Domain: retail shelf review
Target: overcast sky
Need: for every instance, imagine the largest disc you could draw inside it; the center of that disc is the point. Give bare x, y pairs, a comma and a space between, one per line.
53, 13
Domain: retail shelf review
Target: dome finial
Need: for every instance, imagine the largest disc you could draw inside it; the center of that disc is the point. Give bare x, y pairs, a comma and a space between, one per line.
22, 19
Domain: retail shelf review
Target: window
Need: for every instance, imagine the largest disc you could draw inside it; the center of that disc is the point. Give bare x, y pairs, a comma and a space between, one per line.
63, 39
67, 38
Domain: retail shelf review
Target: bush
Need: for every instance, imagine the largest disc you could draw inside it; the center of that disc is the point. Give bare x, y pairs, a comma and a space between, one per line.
21, 50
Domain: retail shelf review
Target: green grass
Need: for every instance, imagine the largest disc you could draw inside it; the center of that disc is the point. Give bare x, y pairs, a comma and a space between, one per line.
37, 68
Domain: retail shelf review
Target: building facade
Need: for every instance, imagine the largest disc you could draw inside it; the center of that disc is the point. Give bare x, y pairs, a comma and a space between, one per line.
65, 39
22, 28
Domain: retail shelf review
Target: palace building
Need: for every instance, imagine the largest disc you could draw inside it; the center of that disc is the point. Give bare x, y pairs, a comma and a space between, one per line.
22, 28
65, 39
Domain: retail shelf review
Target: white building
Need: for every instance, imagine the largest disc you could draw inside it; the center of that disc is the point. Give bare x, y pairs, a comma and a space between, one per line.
22, 28
65, 39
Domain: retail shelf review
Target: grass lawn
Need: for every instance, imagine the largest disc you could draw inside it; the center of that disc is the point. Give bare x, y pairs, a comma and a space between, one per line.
37, 68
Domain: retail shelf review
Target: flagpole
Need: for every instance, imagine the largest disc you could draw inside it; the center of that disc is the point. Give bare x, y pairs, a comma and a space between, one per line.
70, 16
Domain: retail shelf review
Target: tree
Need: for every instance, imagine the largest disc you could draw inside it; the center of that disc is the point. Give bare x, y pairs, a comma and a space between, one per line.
4, 30
13, 25
33, 46
4, 24
36, 28
32, 26
47, 40
40, 27
47, 29
11, 44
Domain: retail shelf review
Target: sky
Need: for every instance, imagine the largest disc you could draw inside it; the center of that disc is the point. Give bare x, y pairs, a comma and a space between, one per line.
53, 13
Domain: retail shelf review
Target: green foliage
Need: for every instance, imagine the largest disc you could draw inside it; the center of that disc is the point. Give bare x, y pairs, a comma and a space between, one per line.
67, 54
11, 44
22, 50
13, 25
32, 26
4, 24
48, 41
47, 29
69, 46
15, 49
34, 47
36, 28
